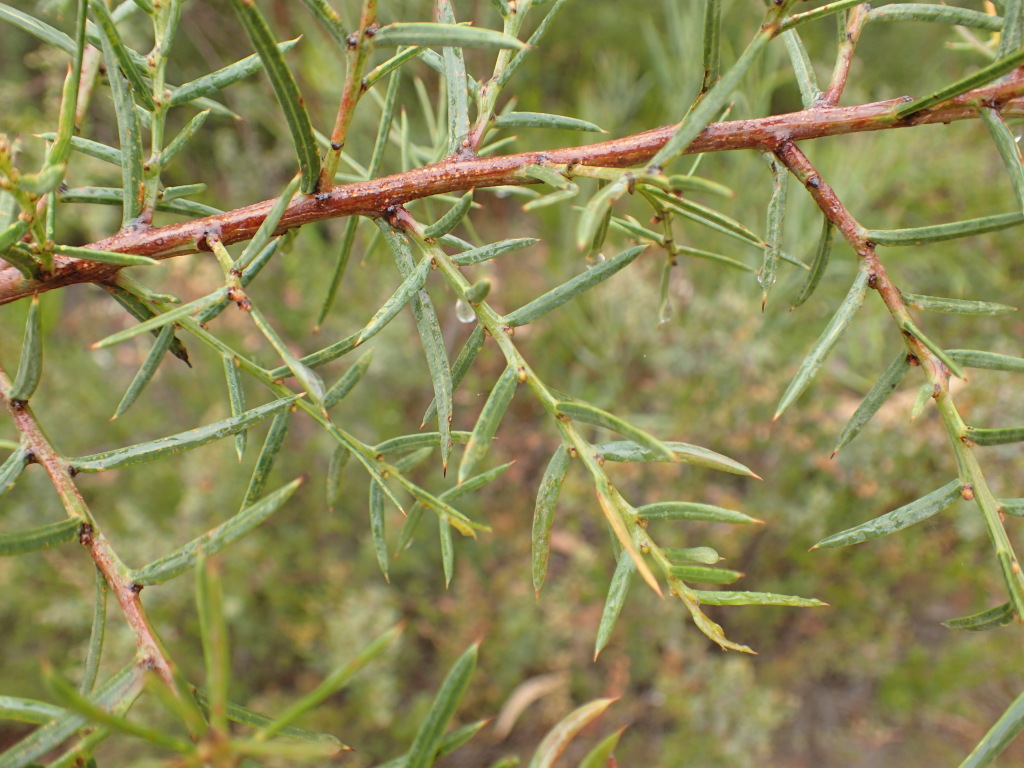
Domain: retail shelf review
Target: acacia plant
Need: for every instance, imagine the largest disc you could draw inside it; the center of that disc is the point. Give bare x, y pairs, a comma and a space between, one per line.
433, 166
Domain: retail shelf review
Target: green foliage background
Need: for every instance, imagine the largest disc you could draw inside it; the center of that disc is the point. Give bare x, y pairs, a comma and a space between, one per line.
873, 680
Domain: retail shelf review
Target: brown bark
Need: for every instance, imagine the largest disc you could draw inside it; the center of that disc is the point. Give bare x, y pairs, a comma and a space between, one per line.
370, 198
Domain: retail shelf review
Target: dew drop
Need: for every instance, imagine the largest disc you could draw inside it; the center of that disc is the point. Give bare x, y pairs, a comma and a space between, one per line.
464, 312
594, 259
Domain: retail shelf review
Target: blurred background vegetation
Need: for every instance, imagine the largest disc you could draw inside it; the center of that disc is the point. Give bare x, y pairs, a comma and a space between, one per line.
872, 680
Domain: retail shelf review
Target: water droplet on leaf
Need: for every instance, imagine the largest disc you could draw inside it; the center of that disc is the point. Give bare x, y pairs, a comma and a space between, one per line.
464, 312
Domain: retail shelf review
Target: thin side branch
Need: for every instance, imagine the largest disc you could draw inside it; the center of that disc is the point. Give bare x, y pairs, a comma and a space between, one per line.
371, 198
114, 571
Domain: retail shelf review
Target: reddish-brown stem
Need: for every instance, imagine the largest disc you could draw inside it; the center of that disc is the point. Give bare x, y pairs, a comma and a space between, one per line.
90, 536
359, 48
454, 175
854, 25
830, 204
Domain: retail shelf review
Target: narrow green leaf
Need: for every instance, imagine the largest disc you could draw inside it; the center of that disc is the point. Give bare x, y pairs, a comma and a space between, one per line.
41, 537
183, 441
493, 251
159, 321
432, 339
28, 710
213, 635
826, 343
95, 149
341, 262
803, 70
487, 423
72, 700
306, 376
602, 755
456, 519
431, 731
596, 211
553, 199
911, 328
146, 371
461, 366
97, 635
538, 34
819, 264
942, 14
686, 510
30, 367
755, 598
613, 603
678, 183
705, 110
456, 84
712, 44
568, 290
548, 175
105, 257
347, 382
891, 522
449, 744
1009, 151
40, 29
1000, 436
11, 234
185, 135
544, 120
266, 231
702, 555
236, 398
377, 528
12, 468
557, 739
447, 549
441, 35
875, 399
185, 557
983, 76
404, 294
590, 414
286, 91
222, 78
329, 20
115, 693
956, 306
338, 678
974, 358
111, 196
1013, 507
616, 511
130, 135
413, 442
239, 714
127, 64
776, 221
131, 301
390, 66
938, 232
705, 216
1000, 616
335, 472
1005, 730
1012, 32
703, 575
450, 220
544, 514
268, 454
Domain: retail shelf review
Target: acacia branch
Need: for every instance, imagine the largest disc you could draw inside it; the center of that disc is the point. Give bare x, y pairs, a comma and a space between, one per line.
371, 198
116, 574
